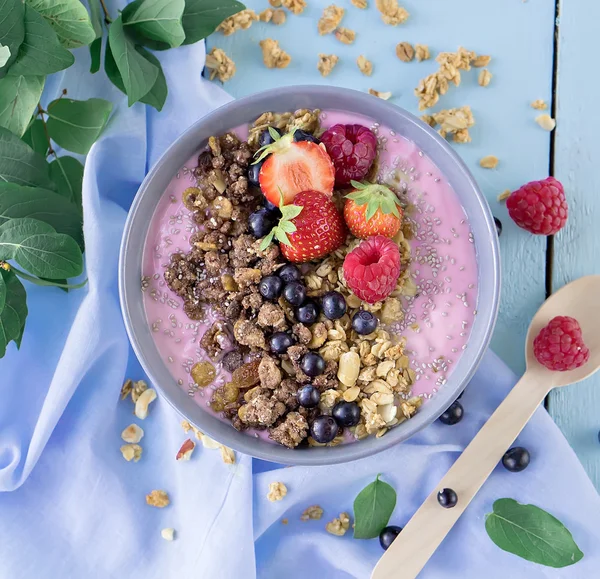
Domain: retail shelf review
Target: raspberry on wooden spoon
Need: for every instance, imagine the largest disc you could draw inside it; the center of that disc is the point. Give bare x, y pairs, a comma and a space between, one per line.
559, 346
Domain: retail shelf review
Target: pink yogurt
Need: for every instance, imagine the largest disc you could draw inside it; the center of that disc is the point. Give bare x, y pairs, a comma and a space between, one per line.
437, 321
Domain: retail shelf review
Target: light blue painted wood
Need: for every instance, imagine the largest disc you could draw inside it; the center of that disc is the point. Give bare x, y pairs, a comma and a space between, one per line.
577, 409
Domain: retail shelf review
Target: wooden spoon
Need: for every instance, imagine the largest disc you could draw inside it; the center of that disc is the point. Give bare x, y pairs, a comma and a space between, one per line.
411, 550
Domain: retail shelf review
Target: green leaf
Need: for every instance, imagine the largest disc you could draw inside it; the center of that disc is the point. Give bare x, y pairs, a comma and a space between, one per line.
137, 73
289, 212
41, 53
266, 240
95, 53
19, 96
4, 55
20, 164
69, 18
59, 283
17, 201
531, 533
158, 20
96, 17
371, 210
35, 137
36, 247
373, 508
2, 292
75, 125
67, 174
12, 30
287, 226
14, 313
201, 17
282, 237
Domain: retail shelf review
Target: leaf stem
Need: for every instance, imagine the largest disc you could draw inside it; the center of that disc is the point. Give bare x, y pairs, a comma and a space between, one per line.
107, 18
41, 112
46, 282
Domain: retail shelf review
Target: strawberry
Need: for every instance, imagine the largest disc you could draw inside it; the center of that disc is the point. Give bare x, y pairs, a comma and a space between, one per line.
310, 228
372, 209
294, 167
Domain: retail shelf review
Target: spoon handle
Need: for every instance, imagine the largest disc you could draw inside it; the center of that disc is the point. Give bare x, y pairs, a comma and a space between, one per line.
411, 550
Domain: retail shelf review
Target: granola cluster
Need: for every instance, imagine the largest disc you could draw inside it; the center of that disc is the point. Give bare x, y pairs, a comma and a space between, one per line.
454, 122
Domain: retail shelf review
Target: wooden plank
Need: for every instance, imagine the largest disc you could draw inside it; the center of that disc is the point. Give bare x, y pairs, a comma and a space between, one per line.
577, 409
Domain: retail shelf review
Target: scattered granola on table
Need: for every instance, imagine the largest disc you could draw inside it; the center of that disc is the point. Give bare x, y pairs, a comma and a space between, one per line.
453, 122
488, 162
186, 450
220, 65
339, 525
275, 3
422, 52
327, 63
314, 512
484, 78
277, 490
273, 55
168, 534
133, 433
330, 20
362, 4
278, 17
379, 94
481, 61
157, 498
504, 195
345, 35
131, 452
295, 6
240, 21
539, 104
546, 122
365, 66
391, 12
405, 52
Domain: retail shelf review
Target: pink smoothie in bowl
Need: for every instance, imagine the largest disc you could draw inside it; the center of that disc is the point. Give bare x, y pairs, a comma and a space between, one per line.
438, 299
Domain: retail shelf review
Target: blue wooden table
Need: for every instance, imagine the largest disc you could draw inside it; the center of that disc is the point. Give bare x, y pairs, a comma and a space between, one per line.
538, 52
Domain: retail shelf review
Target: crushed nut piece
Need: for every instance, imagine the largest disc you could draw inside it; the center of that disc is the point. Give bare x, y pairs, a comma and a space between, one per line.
330, 20
489, 162
273, 55
131, 452
278, 17
382, 95
315, 512
186, 450
504, 195
422, 52
405, 52
362, 4
277, 490
455, 122
133, 433
266, 15
484, 78
126, 389
481, 61
391, 12
168, 534
143, 402
365, 66
326, 63
159, 499
345, 35
227, 454
240, 21
539, 105
275, 3
295, 6
546, 122
138, 387
339, 526
284, 521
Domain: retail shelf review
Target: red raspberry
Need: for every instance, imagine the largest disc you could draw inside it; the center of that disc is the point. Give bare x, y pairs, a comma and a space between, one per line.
539, 207
373, 268
352, 149
559, 346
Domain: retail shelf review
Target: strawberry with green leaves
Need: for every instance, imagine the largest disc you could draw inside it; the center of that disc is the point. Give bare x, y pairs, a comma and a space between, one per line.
310, 227
372, 209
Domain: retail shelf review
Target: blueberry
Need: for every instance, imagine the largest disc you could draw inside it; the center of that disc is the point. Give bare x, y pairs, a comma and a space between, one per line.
447, 498
334, 305
453, 414
253, 171
307, 313
498, 226
265, 137
295, 293
324, 429
387, 536
270, 287
300, 135
516, 459
289, 273
346, 413
271, 208
364, 322
312, 364
280, 342
308, 396
261, 222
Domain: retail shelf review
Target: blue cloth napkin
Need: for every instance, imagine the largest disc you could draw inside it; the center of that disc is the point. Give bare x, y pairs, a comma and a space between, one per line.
72, 508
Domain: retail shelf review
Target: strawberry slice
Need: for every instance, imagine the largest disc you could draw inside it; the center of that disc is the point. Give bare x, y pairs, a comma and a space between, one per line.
293, 167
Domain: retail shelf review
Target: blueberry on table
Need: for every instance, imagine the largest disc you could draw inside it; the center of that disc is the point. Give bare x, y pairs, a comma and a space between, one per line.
279, 342
498, 226
324, 429
261, 222
270, 287
300, 135
447, 498
265, 138
308, 396
453, 414
346, 413
387, 536
295, 293
334, 305
516, 459
253, 171
312, 364
307, 313
364, 322
289, 273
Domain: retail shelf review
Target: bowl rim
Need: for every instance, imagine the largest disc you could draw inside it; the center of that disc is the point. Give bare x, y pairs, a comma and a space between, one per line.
129, 284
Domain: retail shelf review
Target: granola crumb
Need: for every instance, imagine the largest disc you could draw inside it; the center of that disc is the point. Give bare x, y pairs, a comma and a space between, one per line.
240, 21
546, 122
365, 65
339, 525
277, 490
484, 78
504, 195
362, 4
131, 452
133, 433
275, 3
422, 52
295, 6
326, 63
489, 162
284, 521
314, 512
330, 20
539, 104
455, 122
266, 15
227, 454
278, 17
159, 499
405, 52
345, 35
382, 95
220, 65
186, 450
391, 12
273, 55
481, 60
142, 404
126, 389
168, 534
